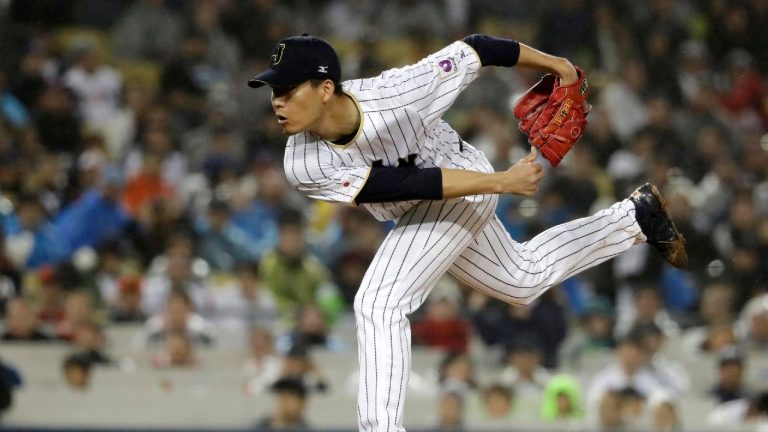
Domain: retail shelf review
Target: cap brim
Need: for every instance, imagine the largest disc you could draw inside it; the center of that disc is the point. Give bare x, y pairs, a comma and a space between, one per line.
275, 78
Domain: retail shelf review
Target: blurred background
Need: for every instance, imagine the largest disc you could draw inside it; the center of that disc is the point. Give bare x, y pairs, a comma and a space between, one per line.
157, 272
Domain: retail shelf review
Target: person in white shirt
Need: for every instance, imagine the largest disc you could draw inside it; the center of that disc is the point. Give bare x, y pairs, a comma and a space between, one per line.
97, 87
629, 370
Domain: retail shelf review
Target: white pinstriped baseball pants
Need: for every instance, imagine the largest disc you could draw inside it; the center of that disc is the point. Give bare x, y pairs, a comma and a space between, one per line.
462, 236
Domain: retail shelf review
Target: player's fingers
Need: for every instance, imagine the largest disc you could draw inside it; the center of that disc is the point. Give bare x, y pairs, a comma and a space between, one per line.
532, 155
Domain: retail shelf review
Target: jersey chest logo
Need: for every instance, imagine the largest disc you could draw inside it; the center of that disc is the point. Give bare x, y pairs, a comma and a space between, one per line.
410, 161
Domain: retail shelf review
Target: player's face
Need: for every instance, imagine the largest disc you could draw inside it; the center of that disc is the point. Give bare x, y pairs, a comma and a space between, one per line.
297, 108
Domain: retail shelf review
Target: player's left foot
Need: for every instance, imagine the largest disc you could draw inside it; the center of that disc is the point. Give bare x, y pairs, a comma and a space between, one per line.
658, 228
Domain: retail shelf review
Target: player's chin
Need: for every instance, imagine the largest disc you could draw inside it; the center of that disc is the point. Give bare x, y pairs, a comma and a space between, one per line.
290, 129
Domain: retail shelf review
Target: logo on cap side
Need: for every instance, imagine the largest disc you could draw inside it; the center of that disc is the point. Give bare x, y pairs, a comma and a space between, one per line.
322, 69
278, 55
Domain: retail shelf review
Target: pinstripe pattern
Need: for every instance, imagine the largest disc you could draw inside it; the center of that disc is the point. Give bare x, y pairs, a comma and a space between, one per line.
420, 249
498, 266
400, 112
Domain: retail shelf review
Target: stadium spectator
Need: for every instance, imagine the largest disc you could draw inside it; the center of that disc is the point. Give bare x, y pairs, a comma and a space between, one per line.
628, 369
127, 305
450, 411
297, 365
648, 309
120, 129
561, 401
31, 225
10, 381
311, 331
174, 270
179, 317
716, 311
594, 332
146, 187
262, 368
11, 107
178, 352
147, 17
89, 339
78, 309
50, 300
525, 374
609, 412
457, 372
665, 415
671, 373
295, 277
259, 215
96, 85
97, 216
442, 327
77, 372
752, 326
56, 121
633, 407
498, 403
156, 155
503, 324
108, 273
21, 323
243, 300
740, 411
221, 243
730, 377
290, 404
186, 80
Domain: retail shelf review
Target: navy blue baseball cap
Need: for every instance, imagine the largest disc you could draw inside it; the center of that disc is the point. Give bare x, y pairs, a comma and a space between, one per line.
297, 59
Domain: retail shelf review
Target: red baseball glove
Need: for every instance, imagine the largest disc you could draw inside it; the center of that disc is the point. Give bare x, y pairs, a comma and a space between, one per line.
554, 116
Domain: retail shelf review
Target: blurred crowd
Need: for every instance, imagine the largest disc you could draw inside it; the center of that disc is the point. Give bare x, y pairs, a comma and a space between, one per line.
141, 182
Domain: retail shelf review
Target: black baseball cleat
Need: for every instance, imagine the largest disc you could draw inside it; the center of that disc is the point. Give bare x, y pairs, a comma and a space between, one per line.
659, 229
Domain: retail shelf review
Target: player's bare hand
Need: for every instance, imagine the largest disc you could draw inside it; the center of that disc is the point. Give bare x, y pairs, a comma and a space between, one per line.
523, 178
567, 72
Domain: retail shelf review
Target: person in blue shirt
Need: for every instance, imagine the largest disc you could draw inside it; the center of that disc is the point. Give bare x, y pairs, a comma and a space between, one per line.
97, 216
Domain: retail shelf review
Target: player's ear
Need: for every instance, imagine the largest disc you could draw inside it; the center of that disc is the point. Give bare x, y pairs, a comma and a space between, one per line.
328, 87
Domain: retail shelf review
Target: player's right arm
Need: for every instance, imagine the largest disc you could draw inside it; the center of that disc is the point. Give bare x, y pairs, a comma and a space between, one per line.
521, 178
387, 184
311, 169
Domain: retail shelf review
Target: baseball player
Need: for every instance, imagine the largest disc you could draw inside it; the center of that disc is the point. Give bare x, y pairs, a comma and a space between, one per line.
381, 143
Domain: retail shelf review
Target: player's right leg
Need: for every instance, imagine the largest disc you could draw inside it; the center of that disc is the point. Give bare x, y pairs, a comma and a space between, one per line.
518, 273
420, 249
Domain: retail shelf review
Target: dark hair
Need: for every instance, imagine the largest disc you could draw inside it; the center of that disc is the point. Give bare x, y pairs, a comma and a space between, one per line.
501, 389
760, 402
77, 361
290, 218
631, 393
337, 89
291, 386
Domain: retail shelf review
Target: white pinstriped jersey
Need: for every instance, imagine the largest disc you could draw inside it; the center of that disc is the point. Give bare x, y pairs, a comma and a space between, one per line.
401, 112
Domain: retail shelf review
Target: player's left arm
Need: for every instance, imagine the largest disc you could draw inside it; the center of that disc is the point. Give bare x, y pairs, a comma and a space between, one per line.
493, 51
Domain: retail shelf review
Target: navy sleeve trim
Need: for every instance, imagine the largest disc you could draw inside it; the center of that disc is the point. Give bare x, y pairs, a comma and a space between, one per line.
388, 184
494, 51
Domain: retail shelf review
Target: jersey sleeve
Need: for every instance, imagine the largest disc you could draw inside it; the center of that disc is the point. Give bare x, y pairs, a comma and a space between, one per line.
433, 84
314, 171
